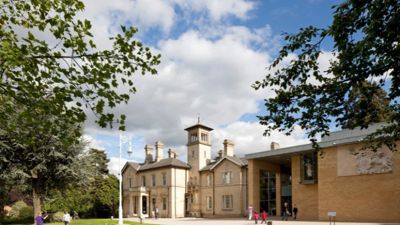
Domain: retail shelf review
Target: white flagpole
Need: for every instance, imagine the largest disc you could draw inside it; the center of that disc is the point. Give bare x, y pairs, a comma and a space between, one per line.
120, 219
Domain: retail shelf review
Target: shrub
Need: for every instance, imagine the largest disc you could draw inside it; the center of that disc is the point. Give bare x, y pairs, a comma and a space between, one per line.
57, 217
21, 211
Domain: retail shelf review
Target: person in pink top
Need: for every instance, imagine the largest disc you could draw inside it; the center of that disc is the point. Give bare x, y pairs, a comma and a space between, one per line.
256, 217
264, 217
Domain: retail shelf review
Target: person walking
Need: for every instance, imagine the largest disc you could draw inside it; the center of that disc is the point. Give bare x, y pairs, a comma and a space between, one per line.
295, 210
66, 218
285, 211
264, 217
156, 212
39, 219
250, 212
256, 216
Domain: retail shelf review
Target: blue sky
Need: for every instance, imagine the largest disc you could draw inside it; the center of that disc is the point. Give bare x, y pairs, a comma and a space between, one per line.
212, 51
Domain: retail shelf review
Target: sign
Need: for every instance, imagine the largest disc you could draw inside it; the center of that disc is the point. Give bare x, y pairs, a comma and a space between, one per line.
331, 214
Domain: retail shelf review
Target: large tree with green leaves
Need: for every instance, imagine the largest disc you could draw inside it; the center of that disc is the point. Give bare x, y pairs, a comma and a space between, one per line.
48, 59
51, 73
366, 37
41, 149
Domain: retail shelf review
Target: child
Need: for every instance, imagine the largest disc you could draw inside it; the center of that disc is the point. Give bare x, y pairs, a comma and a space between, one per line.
256, 217
264, 217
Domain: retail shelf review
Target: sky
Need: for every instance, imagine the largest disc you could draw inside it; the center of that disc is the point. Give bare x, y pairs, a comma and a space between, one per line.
212, 51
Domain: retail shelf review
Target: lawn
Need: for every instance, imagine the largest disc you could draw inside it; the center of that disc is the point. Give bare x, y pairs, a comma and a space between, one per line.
89, 222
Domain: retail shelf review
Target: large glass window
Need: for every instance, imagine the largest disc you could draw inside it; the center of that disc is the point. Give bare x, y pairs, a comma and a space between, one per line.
227, 202
308, 168
268, 192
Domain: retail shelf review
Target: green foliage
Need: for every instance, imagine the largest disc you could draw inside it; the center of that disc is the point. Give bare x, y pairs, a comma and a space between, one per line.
366, 38
21, 212
49, 61
57, 217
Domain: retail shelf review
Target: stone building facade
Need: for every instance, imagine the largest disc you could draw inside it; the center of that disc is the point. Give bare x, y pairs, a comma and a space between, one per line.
202, 187
359, 186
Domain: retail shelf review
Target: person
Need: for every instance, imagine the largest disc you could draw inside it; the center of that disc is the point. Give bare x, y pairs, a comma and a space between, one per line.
295, 210
39, 219
66, 218
76, 216
256, 216
156, 212
285, 211
264, 217
250, 212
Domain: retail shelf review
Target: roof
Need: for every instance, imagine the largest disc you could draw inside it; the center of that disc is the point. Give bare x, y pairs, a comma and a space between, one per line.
234, 159
336, 138
168, 162
200, 126
131, 164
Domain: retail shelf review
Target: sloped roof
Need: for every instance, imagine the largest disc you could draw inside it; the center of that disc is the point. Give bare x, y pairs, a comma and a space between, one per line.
234, 159
168, 162
201, 126
131, 164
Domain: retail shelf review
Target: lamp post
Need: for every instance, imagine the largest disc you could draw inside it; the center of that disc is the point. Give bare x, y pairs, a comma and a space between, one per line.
120, 219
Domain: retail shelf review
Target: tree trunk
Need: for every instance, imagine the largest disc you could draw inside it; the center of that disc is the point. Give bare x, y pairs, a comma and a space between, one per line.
36, 197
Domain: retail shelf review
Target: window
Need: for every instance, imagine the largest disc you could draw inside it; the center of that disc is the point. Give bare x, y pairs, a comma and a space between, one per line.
209, 202
164, 179
308, 168
209, 180
144, 181
204, 137
193, 137
227, 177
153, 179
193, 153
164, 203
130, 182
227, 202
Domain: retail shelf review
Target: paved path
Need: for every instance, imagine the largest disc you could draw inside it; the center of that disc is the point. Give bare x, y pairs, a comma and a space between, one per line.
201, 221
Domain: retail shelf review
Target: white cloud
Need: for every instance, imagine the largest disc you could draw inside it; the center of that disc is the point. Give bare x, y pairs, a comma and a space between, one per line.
248, 137
113, 165
218, 10
207, 70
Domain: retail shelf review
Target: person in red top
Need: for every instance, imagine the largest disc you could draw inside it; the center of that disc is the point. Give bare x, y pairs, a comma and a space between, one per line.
264, 217
256, 217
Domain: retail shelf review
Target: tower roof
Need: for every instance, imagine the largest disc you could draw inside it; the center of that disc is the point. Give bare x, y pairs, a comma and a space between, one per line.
199, 126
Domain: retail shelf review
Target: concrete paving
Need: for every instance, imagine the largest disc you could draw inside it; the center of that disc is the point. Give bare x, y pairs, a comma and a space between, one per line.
275, 221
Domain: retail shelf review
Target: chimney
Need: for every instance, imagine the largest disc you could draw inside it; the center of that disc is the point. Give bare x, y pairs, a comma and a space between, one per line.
172, 154
228, 147
159, 151
149, 153
220, 154
274, 145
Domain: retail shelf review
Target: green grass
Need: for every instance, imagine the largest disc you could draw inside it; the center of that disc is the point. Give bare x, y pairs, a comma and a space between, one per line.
89, 222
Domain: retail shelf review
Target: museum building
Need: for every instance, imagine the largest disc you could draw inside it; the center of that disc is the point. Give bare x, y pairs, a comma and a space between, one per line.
340, 180
202, 187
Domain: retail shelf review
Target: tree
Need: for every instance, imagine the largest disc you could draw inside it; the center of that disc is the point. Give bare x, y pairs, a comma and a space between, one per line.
41, 152
49, 60
93, 177
52, 71
366, 38
366, 104
107, 194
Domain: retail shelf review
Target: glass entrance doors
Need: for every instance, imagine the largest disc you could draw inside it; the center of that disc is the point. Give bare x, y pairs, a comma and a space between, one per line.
268, 192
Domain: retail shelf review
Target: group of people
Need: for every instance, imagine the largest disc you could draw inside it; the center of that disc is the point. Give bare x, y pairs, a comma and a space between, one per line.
39, 219
285, 213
